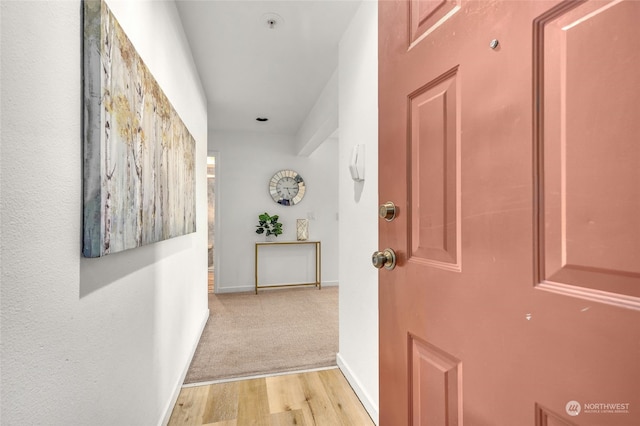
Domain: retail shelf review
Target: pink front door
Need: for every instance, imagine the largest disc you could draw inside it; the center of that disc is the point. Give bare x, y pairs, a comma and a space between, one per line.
510, 141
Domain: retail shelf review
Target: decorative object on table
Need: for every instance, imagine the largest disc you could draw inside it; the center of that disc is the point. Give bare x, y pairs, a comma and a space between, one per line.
269, 225
287, 187
139, 157
302, 229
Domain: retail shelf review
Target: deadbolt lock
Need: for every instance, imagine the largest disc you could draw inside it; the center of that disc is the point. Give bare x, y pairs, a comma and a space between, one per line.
388, 211
386, 258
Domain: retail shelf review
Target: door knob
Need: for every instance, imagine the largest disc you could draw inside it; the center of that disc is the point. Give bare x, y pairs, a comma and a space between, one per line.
386, 258
387, 211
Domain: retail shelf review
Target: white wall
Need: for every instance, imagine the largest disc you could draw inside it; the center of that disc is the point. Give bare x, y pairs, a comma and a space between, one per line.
88, 341
244, 167
321, 121
358, 106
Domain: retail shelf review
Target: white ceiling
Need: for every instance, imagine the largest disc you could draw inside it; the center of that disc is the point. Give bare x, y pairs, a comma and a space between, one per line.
249, 70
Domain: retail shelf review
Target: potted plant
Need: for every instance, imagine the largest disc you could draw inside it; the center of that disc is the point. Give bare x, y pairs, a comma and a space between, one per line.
268, 225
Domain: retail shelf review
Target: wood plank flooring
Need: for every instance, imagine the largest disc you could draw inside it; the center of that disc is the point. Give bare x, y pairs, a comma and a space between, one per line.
210, 282
322, 398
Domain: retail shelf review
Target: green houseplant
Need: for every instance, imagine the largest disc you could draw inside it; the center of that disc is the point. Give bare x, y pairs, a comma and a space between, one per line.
268, 225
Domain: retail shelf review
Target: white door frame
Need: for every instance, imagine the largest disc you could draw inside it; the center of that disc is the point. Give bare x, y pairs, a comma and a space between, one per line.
216, 224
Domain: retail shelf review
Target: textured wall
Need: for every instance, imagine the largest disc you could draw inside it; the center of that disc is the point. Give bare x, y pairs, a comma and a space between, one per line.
87, 341
358, 102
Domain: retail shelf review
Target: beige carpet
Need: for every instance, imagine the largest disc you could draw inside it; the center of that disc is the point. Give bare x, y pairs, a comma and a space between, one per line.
272, 332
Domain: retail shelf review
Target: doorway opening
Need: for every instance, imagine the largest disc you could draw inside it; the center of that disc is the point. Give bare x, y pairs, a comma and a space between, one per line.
211, 220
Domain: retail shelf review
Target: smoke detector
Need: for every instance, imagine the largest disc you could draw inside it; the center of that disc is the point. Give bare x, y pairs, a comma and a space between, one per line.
272, 21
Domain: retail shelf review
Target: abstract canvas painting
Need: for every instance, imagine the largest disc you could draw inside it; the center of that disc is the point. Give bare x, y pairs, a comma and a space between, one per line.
139, 157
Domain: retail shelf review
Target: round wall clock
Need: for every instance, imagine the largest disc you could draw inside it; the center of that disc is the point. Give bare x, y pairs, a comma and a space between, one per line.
287, 187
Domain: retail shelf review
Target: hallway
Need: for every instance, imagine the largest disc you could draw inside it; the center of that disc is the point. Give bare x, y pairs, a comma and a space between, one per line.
124, 327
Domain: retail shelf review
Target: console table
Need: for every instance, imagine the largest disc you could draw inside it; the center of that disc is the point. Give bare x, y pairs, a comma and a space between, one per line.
316, 283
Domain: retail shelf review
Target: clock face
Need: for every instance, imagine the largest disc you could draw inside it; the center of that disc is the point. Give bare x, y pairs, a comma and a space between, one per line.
287, 187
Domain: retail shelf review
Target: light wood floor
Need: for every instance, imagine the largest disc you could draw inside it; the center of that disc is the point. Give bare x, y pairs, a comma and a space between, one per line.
322, 398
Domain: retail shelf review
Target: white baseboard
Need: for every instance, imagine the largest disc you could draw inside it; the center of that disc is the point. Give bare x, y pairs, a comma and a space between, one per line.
178, 386
370, 405
239, 289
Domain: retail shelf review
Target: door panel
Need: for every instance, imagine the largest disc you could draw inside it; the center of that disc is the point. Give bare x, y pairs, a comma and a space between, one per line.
547, 418
435, 379
515, 166
591, 215
426, 15
435, 135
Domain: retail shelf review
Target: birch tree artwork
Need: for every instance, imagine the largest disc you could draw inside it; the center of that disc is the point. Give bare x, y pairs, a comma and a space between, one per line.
139, 157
